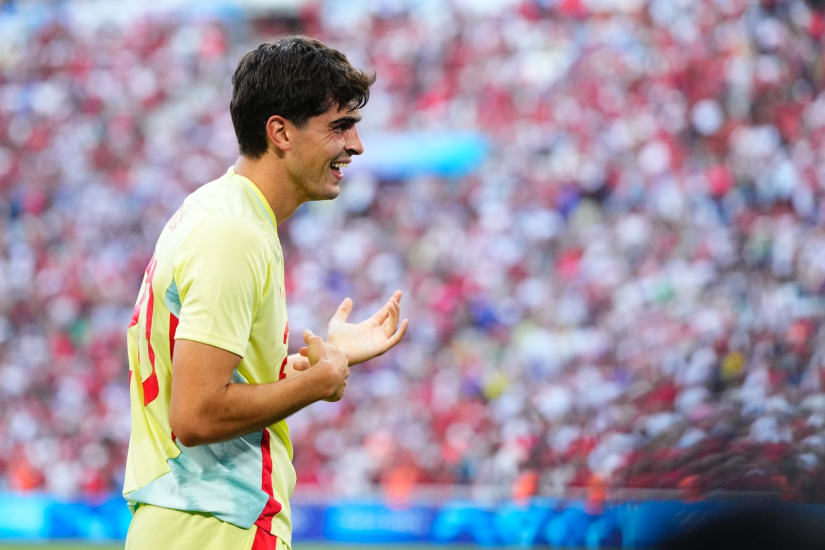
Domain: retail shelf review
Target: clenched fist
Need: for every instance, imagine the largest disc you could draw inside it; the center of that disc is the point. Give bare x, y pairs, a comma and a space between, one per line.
328, 364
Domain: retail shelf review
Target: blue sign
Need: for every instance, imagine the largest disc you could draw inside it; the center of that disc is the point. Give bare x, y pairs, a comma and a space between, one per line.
539, 522
409, 154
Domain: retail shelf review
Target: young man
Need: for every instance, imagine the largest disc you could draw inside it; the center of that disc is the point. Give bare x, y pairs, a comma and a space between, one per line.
211, 383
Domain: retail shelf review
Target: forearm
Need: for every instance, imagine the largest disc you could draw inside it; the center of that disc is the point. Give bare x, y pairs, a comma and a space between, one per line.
240, 409
206, 407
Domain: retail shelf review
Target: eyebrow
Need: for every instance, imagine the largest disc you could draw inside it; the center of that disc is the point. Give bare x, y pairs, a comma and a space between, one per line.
349, 119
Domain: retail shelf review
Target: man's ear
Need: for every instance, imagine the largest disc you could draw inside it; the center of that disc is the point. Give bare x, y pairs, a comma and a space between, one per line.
277, 132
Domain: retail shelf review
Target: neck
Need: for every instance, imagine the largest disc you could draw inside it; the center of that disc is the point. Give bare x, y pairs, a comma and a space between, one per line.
273, 182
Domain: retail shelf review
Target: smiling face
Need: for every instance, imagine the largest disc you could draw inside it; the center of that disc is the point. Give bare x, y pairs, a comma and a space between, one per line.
321, 150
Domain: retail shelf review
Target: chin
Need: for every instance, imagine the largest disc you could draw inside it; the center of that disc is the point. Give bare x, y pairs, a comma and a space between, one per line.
327, 194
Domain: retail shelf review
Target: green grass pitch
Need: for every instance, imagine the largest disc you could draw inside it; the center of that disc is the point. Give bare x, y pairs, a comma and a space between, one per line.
298, 546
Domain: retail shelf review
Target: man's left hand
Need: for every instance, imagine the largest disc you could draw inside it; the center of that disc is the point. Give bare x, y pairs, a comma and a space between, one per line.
371, 337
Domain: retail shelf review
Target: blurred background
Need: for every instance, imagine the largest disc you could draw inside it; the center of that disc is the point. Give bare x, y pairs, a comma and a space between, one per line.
605, 215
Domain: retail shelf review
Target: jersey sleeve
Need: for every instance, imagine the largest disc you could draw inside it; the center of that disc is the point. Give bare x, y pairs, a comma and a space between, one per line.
221, 271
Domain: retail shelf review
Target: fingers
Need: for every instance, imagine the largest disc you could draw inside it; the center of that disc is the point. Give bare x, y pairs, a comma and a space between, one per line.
395, 338
382, 314
303, 351
315, 346
343, 311
391, 323
310, 337
301, 364
338, 395
386, 317
389, 319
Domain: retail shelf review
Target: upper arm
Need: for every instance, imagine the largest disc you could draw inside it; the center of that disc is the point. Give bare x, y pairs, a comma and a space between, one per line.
200, 372
221, 271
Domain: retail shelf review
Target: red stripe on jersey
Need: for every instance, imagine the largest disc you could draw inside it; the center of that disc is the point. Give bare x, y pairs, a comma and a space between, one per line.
136, 311
264, 541
272, 507
282, 374
173, 326
150, 385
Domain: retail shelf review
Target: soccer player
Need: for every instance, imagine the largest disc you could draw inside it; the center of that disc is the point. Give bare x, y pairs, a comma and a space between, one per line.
209, 464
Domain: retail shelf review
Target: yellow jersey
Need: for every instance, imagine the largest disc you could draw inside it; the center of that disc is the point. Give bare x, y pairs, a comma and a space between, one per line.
216, 277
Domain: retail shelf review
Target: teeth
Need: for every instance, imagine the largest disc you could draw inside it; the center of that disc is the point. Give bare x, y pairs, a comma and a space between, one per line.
339, 164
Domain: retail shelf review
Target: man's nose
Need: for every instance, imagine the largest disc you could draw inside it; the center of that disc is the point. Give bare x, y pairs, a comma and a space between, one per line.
353, 143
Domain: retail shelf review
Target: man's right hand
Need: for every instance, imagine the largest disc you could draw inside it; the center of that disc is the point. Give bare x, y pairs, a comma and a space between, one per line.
329, 364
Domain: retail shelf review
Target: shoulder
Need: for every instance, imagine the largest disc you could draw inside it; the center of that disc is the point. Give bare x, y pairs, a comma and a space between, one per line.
224, 255
222, 196
229, 237
223, 222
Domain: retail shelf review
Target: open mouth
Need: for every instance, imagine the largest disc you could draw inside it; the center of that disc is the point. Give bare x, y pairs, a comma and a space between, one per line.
338, 168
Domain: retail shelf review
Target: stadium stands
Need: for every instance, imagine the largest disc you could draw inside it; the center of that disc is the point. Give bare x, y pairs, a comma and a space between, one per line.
625, 294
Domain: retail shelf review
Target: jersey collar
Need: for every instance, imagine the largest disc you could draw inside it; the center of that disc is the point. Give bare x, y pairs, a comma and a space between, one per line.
262, 202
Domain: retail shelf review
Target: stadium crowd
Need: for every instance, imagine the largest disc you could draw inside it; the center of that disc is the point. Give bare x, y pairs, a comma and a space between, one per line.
626, 293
